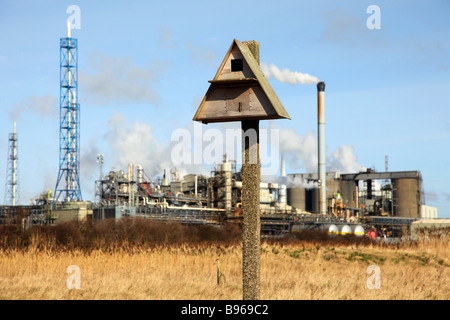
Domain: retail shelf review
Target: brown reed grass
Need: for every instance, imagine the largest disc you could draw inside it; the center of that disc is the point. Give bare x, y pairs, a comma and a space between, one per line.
145, 260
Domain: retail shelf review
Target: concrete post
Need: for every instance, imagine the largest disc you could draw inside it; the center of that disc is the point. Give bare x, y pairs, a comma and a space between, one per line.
251, 224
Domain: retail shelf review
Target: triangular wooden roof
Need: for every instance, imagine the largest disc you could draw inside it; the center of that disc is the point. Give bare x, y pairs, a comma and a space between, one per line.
229, 87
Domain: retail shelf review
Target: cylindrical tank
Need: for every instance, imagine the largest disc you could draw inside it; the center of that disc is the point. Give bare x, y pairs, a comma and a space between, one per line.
333, 229
139, 174
312, 200
282, 194
332, 187
349, 193
407, 196
346, 230
359, 231
296, 198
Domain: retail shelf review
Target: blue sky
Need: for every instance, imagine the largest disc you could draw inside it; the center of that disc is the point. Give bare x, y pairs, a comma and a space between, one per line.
144, 67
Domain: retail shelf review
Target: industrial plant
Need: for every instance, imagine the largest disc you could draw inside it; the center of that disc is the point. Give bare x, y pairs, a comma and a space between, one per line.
360, 203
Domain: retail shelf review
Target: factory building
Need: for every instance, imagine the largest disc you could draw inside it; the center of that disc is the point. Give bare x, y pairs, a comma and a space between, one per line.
221, 191
370, 193
430, 230
386, 201
300, 201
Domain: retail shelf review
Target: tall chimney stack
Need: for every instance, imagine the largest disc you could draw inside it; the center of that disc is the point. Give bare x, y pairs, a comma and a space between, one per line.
321, 149
283, 166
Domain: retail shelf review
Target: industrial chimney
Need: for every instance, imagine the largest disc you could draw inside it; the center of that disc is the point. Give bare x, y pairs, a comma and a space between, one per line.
321, 149
282, 187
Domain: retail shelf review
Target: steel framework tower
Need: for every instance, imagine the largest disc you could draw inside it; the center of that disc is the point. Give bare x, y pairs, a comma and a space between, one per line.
68, 182
12, 171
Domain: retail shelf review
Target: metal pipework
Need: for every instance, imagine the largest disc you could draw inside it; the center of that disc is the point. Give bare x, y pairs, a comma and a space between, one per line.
321, 148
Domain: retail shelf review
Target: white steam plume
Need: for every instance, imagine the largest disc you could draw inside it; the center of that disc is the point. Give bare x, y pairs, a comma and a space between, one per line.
298, 182
286, 75
291, 182
301, 153
300, 150
344, 160
45, 106
135, 143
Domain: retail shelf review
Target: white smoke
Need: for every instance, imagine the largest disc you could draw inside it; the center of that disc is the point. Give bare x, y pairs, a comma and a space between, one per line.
120, 80
344, 160
285, 75
89, 169
300, 150
298, 182
135, 143
201, 54
45, 106
301, 154
291, 181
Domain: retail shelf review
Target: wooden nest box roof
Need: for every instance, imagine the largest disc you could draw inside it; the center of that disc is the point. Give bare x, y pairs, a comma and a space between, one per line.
240, 90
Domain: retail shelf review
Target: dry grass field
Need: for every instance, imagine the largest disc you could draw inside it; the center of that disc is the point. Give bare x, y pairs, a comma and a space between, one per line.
166, 262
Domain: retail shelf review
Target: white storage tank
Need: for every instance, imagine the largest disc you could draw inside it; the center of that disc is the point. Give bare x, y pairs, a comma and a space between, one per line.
282, 194
333, 229
346, 230
359, 231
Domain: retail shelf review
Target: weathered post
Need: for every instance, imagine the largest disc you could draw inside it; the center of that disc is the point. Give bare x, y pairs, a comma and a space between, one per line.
241, 92
251, 224
218, 272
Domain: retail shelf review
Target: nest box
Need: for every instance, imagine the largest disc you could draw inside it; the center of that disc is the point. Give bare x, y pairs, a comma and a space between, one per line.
240, 91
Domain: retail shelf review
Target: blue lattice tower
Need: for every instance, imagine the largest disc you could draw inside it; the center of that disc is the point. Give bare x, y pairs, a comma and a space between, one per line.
12, 171
68, 182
